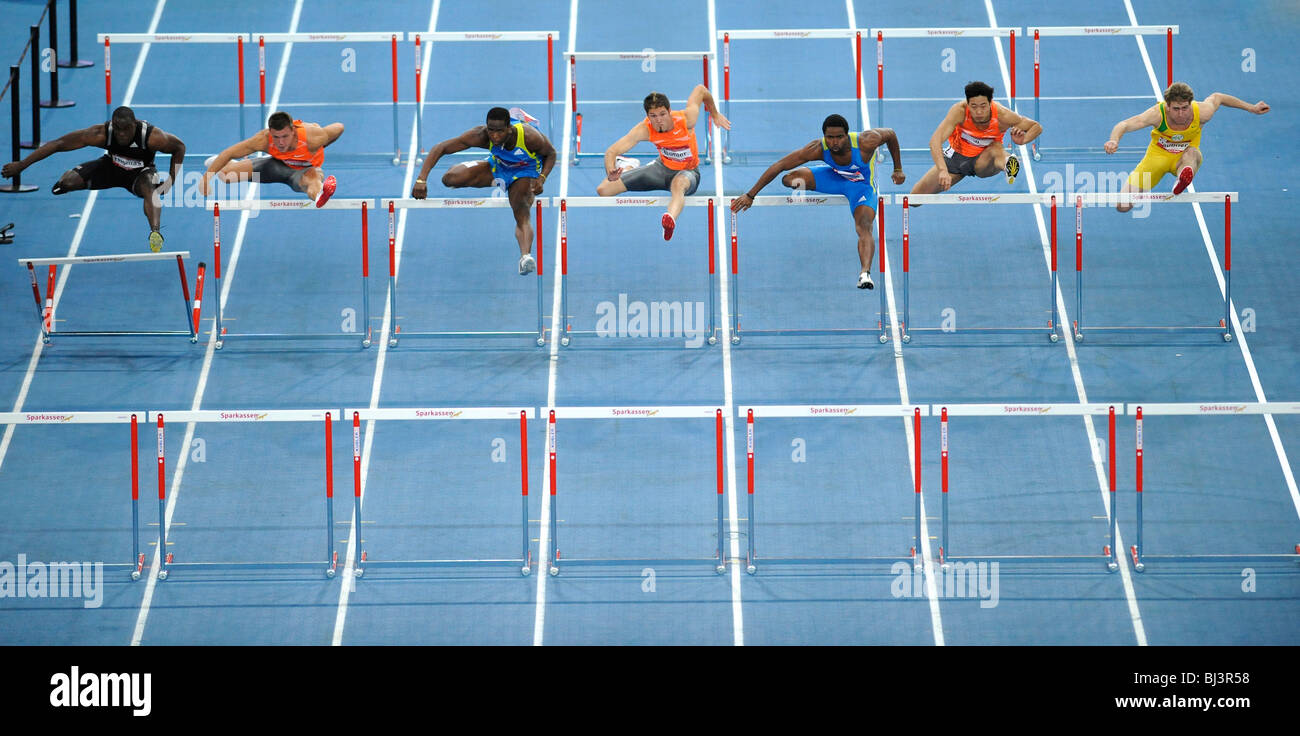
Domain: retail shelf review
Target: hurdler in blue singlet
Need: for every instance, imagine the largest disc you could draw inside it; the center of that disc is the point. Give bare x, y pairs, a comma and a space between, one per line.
855, 180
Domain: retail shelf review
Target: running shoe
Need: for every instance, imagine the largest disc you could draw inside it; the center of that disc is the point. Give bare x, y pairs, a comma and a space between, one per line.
518, 114
1184, 178
1013, 169
864, 281
626, 163
527, 264
327, 191
669, 223
155, 241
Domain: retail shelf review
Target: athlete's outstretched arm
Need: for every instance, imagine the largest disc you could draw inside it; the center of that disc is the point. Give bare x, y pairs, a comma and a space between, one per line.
702, 96
890, 139
792, 160
542, 146
472, 138
1211, 104
164, 142
1022, 129
320, 136
95, 135
258, 142
1146, 120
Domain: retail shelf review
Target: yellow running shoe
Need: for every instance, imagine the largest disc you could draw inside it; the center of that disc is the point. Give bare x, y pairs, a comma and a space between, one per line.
155, 241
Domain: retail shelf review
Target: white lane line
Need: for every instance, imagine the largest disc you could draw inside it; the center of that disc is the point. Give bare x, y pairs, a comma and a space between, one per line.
1282, 459
354, 533
152, 579
1135, 615
543, 565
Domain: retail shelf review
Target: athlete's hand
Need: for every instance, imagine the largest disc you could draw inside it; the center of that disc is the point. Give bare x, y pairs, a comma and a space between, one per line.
1018, 136
12, 169
163, 187
1111, 146
945, 181
1259, 108
538, 185
899, 177
614, 175
721, 121
420, 190
203, 183
742, 203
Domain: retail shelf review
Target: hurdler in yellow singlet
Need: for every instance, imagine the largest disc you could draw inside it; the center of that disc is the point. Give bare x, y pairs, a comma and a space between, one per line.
1166, 148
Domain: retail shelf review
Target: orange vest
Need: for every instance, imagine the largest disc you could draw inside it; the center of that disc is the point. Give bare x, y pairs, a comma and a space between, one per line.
299, 157
677, 148
971, 141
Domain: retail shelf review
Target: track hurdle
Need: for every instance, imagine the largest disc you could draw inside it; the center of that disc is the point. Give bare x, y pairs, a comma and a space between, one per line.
1137, 552
881, 331
388, 37
1110, 553
395, 331
420, 38
919, 199
782, 34
1224, 327
237, 39
643, 57
525, 559
632, 201
719, 559
329, 564
1039, 32
136, 566
292, 205
854, 411
45, 311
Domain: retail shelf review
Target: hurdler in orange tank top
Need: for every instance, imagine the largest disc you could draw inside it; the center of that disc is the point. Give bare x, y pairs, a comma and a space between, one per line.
299, 157
677, 147
971, 141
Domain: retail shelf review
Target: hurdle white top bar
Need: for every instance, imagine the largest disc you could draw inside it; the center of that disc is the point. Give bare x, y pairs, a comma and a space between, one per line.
246, 415
1111, 198
833, 410
1024, 410
323, 37
288, 204
489, 412
483, 35
635, 412
792, 33
1147, 30
637, 55
71, 417
696, 201
112, 258
975, 32
1008, 198
171, 37
1217, 407
806, 200
451, 203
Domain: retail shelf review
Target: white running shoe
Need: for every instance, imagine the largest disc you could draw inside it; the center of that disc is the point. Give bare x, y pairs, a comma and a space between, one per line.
626, 163
527, 264
864, 281
518, 114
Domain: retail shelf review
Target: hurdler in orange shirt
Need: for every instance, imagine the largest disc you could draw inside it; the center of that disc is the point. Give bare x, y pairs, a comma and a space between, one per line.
677, 169
296, 150
971, 140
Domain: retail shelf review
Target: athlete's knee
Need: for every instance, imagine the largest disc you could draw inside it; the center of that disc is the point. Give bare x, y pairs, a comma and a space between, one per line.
71, 181
607, 188
450, 179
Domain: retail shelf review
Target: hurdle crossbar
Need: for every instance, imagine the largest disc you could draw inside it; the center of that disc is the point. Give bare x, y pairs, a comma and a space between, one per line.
258, 205
498, 413
907, 328
1168, 31
45, 311
946, 33
136, 565
1110, 553
881, 331
1224, 327
719, 559
642, 56
420, 37
567, 332
238, 39
389, 37
851, 411
241, 416
1137, 552
782, 34
395, 331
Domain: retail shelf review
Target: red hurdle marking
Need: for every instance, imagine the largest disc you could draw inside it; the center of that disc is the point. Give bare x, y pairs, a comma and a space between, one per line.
857, 69
356, 461
943, 448
1138, 459
239, 51
564, 238
906, 258
577, 132
135, 459
1169, 57
880, 228
523, 451
36, 291
162, 468
539, 237
749, 453
185, 286
392, 244
726, 67
108, 76
1110, 457
1227, 232
198, 296
216, 241
880, 67
550, 74
1036, 67
1053, 235
365, 241
418, 71
735, 242
916, 437
712, 257
49, 300
717, 432
329, 457
1013, 66
261, 69
550, 442
1078, 233
394, 65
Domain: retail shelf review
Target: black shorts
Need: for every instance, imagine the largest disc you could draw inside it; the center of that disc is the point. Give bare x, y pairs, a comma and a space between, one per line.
655, 176
102, 173
959, 164
274, 171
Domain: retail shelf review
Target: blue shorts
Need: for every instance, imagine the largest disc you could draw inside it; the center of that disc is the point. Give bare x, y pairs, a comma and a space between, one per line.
859, 193
508, 174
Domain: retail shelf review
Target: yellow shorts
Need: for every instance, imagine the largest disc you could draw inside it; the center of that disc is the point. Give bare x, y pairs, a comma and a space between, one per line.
1152, 168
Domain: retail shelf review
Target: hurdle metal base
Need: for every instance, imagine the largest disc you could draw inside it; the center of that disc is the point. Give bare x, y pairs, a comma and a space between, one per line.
221, 341
1221, 329
525, 566
881, 334
1050, 332
397, 335
329, 569
17, 188
1139, 559
718, 567
567, 335
752, 565
1109, 560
